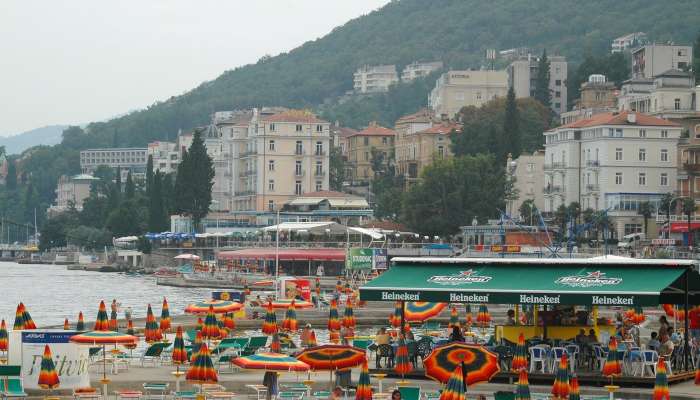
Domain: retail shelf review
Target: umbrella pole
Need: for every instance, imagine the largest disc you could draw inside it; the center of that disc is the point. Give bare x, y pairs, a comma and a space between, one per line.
464, 378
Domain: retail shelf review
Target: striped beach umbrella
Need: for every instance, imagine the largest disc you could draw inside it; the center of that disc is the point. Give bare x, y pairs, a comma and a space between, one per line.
66, 325
152, 332
196, 345
19, 318
334, 337
612, 367
522, 390
211, 330
80, 326
179, 354
103, 338
48, 378
200, 324
130, 327
269, 325
455, 388
395, 318
469, 319
661, 391
419, 311
454, 318
102, 321
28, 321
290, 319
560, 388
483, 317
574, 391
270, 362
283, 304
332, 357
3, 336
364, 386
113, 325
275, 344
202, 369
312, 340
165, 316
229, 322
479, 364
520, 357
403, 364
219, 306
349, 315
333, 317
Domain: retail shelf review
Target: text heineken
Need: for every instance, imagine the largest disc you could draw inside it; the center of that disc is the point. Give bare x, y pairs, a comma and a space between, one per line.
541, 299
405, 296
468, 298
613, 300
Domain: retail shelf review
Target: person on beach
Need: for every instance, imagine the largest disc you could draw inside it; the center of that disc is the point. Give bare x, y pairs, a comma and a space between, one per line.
456, 335
396, 395
305, 335
127, 313
337, 393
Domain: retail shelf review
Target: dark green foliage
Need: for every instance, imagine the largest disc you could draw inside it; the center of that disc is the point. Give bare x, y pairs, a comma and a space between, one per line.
336, 169
89, 237
157, 216
511, 131
54, 231
129, 187
696, 58
529, 213
11, 178
195, 178
149, 173
542, 93
646, 210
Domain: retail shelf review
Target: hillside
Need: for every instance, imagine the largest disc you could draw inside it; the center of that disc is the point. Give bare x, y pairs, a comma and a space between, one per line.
48, 135
455, 31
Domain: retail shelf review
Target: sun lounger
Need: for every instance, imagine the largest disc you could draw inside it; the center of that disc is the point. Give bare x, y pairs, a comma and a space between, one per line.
256, 343
290, 395
184, 395
155, 390
236, 344
409, 392
153, 353
86, 393
220, 395
11, 382
260, 390
128, 394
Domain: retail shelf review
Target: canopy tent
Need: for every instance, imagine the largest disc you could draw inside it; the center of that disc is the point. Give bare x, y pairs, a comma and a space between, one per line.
537, 281
285, 254
321, 228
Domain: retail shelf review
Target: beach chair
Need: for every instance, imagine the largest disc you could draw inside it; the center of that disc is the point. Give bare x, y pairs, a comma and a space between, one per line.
256, 343
155, 390
128, 394
290, 395
11, 382
431, 395
235, 344
538, 355
153, 353
600, 356
409, 392
86, 393
321, 395
501, 395
191, 335
556, 355
184, 395
431, 326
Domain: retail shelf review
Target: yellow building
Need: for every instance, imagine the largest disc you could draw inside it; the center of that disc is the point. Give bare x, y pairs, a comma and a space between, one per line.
373, 139
415, 151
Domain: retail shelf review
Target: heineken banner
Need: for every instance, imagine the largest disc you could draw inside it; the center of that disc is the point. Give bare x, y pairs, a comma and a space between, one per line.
366, 259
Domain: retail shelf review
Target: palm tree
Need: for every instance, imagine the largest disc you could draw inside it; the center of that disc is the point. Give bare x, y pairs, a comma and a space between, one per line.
645, 210
688, 206
665, 204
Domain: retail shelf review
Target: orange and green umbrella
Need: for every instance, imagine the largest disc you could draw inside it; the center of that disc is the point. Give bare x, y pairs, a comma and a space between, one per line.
3, 336
103, 338
196, 345
349, 315
129, 327
80, 326
560, 388
283, 304
332, 357
661, 391
219, 307
202, 369
19, 318
574, 391
165, 316
454, 318
210, 329
275, 344
48, 378
66, 325
522, 390
179, 354
364, 387
469, 315
200, 324
403, 364
28, 321
334, 337
479, 364
520, 357
152, 332
612, 367
270, 362
419, 311
229, 322
697, 371
484, 317
395, 318
113, 318
102, 321
312, 342
290, 319
333, 317
455, 388
269, 325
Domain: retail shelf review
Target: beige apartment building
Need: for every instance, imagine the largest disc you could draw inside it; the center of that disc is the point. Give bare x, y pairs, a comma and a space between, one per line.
71, 190
361, 145
374, 78
527, 174
457, 89
419, 69
522, 76
417, 150
597, 96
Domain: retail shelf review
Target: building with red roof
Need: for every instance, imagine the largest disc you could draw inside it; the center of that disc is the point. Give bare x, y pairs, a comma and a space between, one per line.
374, 141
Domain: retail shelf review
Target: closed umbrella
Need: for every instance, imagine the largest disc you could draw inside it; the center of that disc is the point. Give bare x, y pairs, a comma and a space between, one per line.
455, 388
152, 332
200, 324
522, 390
560, 388
395, 318
574, 391
349, 315
129, 327
179, 356
661, 391
210, 329
165, 317
229, 322
3, 336
454, 318
312, 340
102, 321
484, 317
80, 326
520, 357
196, 345
113, 316
469, 315
403, 364
289, 323
333, 317
66, 325
269, 325
48, 378
364, 387
338, 286
28, 321
275, 344
19, 318
202, 369
612, 367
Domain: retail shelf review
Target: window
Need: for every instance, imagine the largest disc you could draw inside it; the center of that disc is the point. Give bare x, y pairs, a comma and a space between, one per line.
298, 128
664, 179
677, 104
642, 179
366, 156
271, 165
557, 94
557, 105
272, 127
441, 152
297, 188
563, 157
271, 205
271, 146
664, 155
642, 154
271, 185
478, 95
642, 133
319, 168
618, 154
618, 178
557, 82
664, 134
385, 140
319, 186
299, 148
618, 132
297, 168
319, 128
366, 141
633, 228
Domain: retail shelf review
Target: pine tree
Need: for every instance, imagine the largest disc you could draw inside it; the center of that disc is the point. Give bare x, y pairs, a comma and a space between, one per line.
129, 188
542, 93
156, 213
696, 59
511, 130
195, 179
149, 174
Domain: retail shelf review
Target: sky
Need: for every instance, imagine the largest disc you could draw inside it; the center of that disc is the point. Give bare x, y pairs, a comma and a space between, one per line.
78, 61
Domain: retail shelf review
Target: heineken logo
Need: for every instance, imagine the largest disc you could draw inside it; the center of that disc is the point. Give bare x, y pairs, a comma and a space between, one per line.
401, 296
468, 276
539, 299
468, 298
613, 300
591, 279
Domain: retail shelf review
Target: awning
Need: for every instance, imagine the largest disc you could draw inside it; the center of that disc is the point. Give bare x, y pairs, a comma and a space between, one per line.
682, 227
538, 281
285, 254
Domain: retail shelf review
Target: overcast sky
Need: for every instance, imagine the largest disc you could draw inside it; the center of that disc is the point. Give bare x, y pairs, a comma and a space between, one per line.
77, 61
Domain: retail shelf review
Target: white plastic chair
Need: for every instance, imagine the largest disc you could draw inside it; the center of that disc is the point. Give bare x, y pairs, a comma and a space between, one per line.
538, 355
555, 357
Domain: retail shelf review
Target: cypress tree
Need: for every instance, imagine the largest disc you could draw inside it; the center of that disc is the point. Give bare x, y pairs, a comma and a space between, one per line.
195, 179
542, 93
149, 174
129, 188
511, 130
156, 214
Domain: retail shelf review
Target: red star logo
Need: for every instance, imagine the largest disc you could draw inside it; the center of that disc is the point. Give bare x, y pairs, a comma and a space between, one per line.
596, 274
469, 272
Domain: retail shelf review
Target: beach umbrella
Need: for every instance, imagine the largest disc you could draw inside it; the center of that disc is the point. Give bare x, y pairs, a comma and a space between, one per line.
200, 324
395, 317
3, 336
484, 317
454, 318
333, 318
210, 329
334, 337
270, 362
66, 325
19, 318
152, 332
455, 388
202, 368
269, 325
229, 322
129, 327
28, 321
612, 367
520, 357
246, 290
332, 357
574, 391
478, 364
522, 390
102, 321
560, 388
339, 286
312, 340
80, 326
290, 319
196, 345
419, 311
469, 315
639, 316
103, 338
48, 378
113, 320
364, 387
219, 307
661, 391
275, 344
283, 304
179, 354
403, 364
349, 315
697, 371
165, 316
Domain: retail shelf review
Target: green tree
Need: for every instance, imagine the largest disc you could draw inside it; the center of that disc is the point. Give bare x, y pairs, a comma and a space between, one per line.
127, 220
542, 93
688, 208
195, 178
157, 220
511, 131
646, 210
89, 237
665, 205
149, 174
129, 187
696, 58
561, 218
528, 212
11, 178
54, 231
336, 169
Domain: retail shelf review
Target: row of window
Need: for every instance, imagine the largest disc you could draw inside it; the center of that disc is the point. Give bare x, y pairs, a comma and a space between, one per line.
298, 186
642, 179
298, 147
112, 160
601, 132
619, 155
297, 167
298, 128
84, 154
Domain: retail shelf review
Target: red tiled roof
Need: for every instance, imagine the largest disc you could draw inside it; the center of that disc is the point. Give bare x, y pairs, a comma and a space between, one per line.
375, 130
345, 132
619, 119
292, 116
441, 129
422, 115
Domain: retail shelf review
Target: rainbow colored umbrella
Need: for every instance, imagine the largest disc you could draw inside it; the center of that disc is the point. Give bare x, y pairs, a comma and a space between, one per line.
202, 369
612, 367
334, 337
48, 378
275, 344
661, 391
484, 317
19, 318
80, 326
403, 364
179, 354
395, 318
349, 315
196, 345
129, 327
312, 340
560, 388
210, 329
469, 315
479, 364
331, 357
454, 318
3, 336
270, 362
103, 338
333, 318
455, 388
283, 304
219, 307
165, 316
419, 311
200, 324
574, 391
520, 357
522, 390
102, 321
66, 325
152, 332
28, 321
269, 325
364, 386
229, 322
290, 319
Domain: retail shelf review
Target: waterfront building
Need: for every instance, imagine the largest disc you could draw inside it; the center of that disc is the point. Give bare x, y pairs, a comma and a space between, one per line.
419, 69
527, 174
374, 78
652, 59
597, 96
71, 191
373, 141
628, 42
522, 77
129, 159
457, 89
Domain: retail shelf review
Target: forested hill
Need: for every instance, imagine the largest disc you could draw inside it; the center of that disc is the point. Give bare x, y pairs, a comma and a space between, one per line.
455, 31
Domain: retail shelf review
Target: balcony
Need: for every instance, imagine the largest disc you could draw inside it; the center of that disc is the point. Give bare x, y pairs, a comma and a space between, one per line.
692, 167
249, 153
299, 173
246, 173
555, 165
320, 173
319, 153
553, 189
299, 152
593, 163
593, 188
246, 193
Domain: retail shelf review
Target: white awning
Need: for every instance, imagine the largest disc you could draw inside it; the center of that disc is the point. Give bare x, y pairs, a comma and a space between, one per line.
374, 234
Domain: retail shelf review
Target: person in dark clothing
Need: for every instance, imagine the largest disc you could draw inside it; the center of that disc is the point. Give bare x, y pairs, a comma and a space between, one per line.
456, 335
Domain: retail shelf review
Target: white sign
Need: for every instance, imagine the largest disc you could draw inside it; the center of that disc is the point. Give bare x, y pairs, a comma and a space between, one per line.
71, 360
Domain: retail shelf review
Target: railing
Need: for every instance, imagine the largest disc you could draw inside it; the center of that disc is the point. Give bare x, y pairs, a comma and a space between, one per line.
691, 167
248, 153
319, 173
319, 153
298, 174
593, 187
554, 189
661, 217
246, 193
593, 163
299, 152
555, 165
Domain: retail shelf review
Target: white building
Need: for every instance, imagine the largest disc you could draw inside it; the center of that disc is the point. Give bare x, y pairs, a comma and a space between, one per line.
671, 94
522, 76
132, 159
653, 59
457, 89
166, 156
612, 161
71, 191
527, 172
374, 78
419, 69
628, 41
